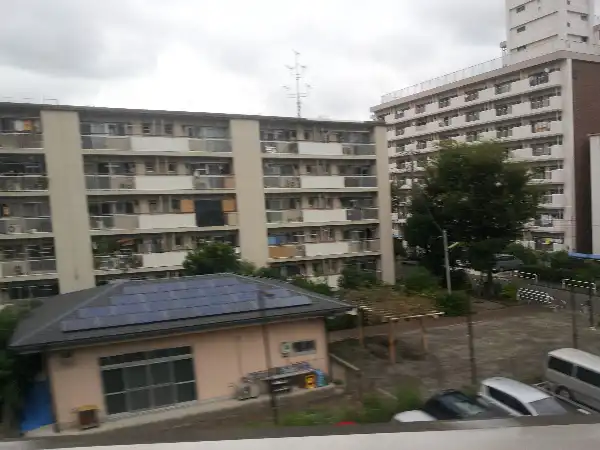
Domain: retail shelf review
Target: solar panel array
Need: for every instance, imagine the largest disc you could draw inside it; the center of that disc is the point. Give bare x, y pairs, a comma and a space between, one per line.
184, 299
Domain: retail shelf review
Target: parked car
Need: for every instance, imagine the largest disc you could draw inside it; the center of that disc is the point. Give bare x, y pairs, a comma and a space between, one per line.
574, 374
519, 399
455, 405
413, 416
507, 262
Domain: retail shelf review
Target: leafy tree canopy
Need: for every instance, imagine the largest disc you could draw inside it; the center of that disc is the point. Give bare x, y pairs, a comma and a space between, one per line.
480, 198
212, 257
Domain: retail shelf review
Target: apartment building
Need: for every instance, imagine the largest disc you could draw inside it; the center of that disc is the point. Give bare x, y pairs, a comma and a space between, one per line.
541, 99
92, 194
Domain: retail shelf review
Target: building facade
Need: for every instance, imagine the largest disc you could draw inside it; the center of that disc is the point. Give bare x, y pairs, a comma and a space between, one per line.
134, 346
539, 99
92, 194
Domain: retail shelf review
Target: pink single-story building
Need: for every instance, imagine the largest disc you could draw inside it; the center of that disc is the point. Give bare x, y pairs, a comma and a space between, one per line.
135, 346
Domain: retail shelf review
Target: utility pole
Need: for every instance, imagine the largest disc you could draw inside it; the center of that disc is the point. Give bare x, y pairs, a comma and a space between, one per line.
297, 70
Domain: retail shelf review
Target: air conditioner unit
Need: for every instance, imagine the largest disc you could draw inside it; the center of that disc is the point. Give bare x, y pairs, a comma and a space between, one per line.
14, 229
126, 186
18, 270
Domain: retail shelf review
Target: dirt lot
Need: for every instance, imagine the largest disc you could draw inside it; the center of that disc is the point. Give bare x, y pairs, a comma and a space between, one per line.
509, 346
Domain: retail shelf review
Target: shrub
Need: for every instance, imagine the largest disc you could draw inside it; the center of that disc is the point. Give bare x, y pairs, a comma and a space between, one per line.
309, 418
509, 292
376, 409
453, 305
527, 255
354, 278
341, 322
420, 280
407, 399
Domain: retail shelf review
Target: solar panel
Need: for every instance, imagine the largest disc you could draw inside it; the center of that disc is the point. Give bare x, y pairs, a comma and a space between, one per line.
77, 324
92, 312
129, 309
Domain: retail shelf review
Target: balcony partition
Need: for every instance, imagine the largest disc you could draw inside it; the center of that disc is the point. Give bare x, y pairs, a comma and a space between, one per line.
19, 183
18, 225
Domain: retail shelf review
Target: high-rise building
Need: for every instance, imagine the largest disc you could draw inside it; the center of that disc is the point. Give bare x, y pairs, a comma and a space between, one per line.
541, 98
92, 194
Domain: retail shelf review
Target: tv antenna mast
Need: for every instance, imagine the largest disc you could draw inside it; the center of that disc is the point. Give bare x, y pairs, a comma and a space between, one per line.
300, 89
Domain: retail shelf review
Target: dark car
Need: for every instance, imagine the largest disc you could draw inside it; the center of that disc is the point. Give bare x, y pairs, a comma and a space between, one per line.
507, 262
455, 405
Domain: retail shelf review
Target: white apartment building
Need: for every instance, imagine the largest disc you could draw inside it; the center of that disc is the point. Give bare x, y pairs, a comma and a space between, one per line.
541, 99
92, 194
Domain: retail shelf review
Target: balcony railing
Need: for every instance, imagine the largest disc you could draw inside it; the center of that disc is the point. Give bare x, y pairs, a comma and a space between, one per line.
279, 147
18, 225
287, 216
290, 182
16, 183
364, 246
20, 140
118, 221
360, 182
27, 267
109, 182
202, 182
359, 149
118, 262
362, 214
124, 143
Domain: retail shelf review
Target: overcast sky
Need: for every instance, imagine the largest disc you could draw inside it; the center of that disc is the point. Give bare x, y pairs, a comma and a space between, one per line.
230, 55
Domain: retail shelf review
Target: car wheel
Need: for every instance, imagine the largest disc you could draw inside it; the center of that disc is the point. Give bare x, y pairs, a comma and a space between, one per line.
564, 392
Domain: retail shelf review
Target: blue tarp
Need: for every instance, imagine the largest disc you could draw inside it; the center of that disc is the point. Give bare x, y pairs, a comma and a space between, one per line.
37, 410
584, 256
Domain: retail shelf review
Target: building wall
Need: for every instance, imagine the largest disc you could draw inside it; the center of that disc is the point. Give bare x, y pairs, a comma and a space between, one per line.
221, 358
388, 267
586, 120
68, 202
247, 165
595, 192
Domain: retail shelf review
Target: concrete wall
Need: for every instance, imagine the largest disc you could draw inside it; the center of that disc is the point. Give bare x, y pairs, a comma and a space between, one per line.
220, 359
595, 191
68, 202
250, 194
586, 114
384, 201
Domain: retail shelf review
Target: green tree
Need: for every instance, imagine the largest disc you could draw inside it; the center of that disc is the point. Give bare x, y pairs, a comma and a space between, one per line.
16, 371
354, 278
396, 195
480, 198
212, 257
527, 255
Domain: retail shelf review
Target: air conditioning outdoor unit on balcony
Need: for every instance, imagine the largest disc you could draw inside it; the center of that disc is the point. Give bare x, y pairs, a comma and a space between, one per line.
14, 229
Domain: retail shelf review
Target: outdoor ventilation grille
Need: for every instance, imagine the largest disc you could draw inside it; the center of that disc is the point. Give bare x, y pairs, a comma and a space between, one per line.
14, 229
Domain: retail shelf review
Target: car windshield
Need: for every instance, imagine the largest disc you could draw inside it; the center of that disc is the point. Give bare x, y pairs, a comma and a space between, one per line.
548, 407
463, 405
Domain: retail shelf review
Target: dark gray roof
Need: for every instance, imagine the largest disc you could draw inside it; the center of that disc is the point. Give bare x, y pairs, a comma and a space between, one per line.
41, 329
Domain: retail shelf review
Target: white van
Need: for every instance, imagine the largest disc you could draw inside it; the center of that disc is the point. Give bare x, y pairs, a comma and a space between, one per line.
574, 374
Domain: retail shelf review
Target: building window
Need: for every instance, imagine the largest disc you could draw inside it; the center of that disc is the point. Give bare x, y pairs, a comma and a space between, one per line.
150, 168
520, 8
420, 108
584, 39
147, 380
146, 128
168, 129
521, 29
304, 347
171, 168
175, 205
584, 17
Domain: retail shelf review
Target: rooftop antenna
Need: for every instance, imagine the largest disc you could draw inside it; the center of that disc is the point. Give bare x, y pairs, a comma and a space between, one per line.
297, 71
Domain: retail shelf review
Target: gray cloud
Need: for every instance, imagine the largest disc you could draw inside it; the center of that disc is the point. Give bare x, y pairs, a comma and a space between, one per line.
230, 56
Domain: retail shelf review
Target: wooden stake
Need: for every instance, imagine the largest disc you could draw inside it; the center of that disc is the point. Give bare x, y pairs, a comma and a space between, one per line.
424, 340
392, 341
361, 329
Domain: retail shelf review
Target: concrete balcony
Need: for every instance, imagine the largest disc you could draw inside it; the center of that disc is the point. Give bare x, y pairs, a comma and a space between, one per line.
19, 226
324, 215
166, 259
23, 183
487, 115
319, 149
360, 182
159, 182
288, 216
276, 147
16, 269
550, 225
279, 182
20, 141
487, 136
553, 177
364, 246
286, 251
319, 182
156, 144
118, 262
554, 201
140, 222
359, 149
528, 154
359, 214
